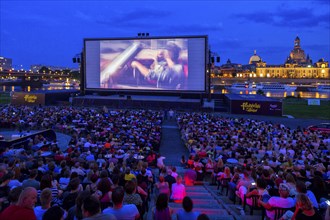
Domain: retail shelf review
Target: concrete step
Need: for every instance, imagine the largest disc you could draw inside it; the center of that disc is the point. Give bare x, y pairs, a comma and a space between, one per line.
219, 212
207, 205
199, 195
211, 217
200, 189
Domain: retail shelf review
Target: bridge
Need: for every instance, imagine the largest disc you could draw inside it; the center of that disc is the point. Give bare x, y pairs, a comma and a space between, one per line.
29, 78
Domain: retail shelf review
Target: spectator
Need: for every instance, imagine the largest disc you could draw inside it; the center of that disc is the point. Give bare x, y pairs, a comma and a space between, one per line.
160, 162
243, 185
162, 211
178, 191
131, 197
304, 210
75, 212
46, 182
24, 207
163, 186
190, 176
91, 209
203, 216
301, 188
174, 173
4, 190
14, 195
119, 210
282, 202
260, 190
169, 178
45, 201
69, 197
54, 213
187, 212
32, 180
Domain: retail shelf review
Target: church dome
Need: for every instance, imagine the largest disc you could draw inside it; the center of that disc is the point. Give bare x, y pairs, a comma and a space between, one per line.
254, 58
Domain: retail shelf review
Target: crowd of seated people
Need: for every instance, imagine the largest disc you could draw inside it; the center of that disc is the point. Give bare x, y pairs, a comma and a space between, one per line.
111, 149
107, 149
260, 158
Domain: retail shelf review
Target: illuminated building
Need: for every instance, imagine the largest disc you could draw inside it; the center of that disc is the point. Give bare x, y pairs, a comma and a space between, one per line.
297, 65
5, 63
37, 67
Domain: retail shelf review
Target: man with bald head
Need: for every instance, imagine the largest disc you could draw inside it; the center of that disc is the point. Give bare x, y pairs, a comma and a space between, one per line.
24, 207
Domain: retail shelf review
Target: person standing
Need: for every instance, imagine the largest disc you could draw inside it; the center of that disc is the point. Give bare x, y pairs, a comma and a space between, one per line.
178, 190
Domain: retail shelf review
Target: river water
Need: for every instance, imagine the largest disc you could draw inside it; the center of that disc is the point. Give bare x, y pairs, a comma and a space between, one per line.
32, 89
276, 94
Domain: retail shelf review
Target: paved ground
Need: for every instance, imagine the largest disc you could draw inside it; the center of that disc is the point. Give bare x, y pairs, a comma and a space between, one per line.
171, 145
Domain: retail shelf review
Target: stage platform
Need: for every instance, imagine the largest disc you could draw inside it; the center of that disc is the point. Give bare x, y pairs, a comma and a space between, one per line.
140, 102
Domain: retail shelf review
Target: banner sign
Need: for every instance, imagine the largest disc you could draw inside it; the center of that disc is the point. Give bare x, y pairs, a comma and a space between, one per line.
26, 98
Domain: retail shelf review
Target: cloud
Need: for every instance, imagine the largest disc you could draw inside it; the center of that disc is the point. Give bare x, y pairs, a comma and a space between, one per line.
136, 16
229, 43
286, 17
157, 20
201, 28
316, 47
325, 2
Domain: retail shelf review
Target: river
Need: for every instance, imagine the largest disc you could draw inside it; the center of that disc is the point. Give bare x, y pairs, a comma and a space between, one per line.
276, 94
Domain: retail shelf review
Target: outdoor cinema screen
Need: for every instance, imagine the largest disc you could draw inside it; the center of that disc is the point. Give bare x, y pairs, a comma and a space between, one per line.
162, 64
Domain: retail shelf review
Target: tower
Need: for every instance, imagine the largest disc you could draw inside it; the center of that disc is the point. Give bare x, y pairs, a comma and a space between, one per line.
297, 42
297, 55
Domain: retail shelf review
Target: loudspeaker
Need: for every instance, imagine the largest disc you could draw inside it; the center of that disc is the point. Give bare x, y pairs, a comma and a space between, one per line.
218, 59
212, 59
74, 60
78, 60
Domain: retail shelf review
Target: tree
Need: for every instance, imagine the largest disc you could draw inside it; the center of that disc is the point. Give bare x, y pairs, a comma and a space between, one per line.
75, 75
44, 70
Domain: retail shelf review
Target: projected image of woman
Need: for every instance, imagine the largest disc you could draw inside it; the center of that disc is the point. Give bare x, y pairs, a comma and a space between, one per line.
166, 71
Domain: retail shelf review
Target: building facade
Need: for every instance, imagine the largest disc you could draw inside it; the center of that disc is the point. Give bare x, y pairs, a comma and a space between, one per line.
5, 63
297, 65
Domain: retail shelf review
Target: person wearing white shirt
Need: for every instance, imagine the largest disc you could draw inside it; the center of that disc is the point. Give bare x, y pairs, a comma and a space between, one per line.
284, 201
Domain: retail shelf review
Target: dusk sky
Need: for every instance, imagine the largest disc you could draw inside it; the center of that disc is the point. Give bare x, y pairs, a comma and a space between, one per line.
52, 32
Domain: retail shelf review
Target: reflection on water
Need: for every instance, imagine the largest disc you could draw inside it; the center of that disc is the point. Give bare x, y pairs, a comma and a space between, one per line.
277, 94
31, 89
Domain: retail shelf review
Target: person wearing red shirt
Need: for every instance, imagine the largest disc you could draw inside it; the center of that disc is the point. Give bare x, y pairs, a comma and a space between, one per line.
24, 207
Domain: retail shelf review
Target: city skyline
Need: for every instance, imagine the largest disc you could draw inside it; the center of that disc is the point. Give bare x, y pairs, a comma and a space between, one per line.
52, 33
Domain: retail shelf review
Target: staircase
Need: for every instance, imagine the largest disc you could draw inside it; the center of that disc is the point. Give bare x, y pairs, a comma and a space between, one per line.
204, 202
233, 209
205, 197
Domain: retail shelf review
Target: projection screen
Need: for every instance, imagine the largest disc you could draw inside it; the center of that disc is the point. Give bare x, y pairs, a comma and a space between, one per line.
159, 64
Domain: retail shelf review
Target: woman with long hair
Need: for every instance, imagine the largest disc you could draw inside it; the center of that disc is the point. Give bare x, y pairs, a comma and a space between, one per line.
305, 209
162, 186
46, 182
162, 211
